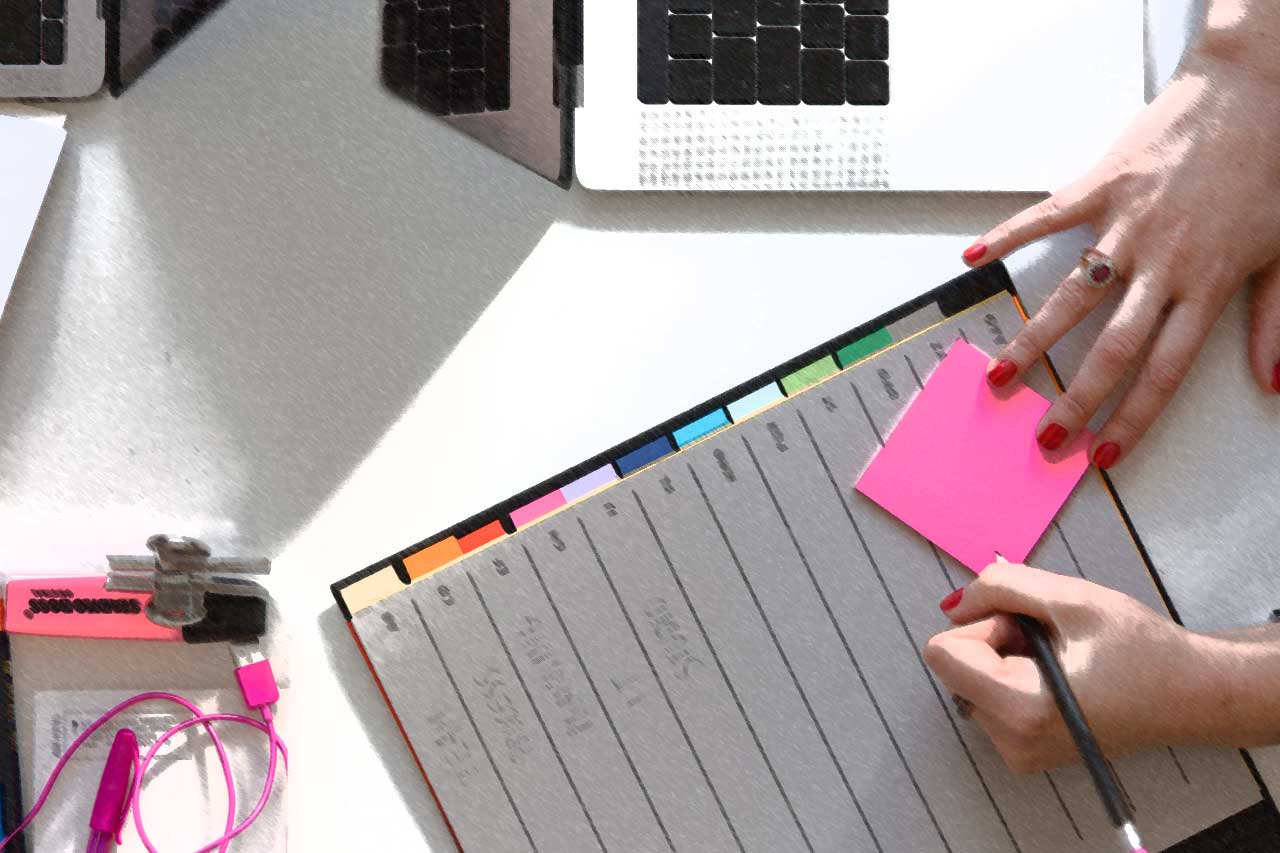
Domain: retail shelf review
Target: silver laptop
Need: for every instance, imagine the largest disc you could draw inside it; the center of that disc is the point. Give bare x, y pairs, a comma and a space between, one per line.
72, 48
778, 94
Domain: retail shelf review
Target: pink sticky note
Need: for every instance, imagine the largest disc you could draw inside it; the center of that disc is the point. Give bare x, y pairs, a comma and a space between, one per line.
963, 467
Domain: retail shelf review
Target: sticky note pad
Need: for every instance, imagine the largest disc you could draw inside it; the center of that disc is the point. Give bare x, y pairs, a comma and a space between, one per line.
963, 467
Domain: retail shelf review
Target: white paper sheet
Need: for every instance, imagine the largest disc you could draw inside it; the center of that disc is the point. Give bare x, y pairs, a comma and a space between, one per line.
29, 151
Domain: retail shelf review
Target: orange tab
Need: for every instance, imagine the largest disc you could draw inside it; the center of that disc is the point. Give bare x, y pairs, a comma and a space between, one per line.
432, 557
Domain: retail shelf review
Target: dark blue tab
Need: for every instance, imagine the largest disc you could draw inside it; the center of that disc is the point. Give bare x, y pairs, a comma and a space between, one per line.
642, 456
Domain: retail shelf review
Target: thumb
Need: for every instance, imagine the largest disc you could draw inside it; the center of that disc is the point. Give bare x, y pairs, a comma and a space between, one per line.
1264, 331
1013, 588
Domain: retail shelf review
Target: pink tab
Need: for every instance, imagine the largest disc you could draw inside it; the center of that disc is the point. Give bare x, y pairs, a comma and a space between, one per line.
963, 467
534, 510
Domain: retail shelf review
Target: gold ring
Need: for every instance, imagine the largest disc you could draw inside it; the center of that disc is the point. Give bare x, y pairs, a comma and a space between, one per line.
1099, 270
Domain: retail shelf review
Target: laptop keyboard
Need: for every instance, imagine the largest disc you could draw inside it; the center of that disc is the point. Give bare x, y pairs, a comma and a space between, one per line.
33, 32
777, 52
449, 56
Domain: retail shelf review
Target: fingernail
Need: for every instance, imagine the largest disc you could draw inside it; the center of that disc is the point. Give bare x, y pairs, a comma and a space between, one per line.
1106, 455
1000, 375
1275, 378
949, 603
1052, 436
974, 253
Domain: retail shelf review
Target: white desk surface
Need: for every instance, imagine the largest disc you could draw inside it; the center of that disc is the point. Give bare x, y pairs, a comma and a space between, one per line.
262, 306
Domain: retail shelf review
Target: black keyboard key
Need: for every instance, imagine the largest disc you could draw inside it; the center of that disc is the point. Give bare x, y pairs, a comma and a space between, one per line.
466, 91
399, 23
689, 81
822, 76
866, 37
691, 7
734, 17
822, 25
778, 13
53, 47
54, 9
433, 29
778, 49
867, 83
19, 32
467, 13
466, 47
689, 36
433, 81
733, 68
397, 67
867, 7
651, 51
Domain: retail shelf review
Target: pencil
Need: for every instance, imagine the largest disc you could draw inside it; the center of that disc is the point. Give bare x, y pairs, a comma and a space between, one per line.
10, 772
1104, 778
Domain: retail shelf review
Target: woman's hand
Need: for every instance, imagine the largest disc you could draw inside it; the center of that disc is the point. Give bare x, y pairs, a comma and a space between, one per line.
1137, 675
1187, 204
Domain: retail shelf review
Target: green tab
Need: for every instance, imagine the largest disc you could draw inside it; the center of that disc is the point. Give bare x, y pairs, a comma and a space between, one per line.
864, 347
806, 376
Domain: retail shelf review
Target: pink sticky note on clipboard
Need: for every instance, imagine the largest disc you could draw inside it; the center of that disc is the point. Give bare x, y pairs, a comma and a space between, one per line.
963, 468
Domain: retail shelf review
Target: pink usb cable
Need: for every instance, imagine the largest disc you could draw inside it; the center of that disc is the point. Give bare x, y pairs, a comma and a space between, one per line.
257, 685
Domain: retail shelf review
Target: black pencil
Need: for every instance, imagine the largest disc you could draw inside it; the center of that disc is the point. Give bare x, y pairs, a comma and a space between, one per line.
1104, 777
10, 772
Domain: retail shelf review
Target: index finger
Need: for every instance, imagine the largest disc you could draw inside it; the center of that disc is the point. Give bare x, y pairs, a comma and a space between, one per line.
972, 668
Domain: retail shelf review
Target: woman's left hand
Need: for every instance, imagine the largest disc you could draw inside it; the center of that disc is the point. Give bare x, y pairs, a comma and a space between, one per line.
1187, 204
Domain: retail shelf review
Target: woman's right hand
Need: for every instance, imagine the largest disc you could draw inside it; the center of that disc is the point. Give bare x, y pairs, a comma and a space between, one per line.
1141, 679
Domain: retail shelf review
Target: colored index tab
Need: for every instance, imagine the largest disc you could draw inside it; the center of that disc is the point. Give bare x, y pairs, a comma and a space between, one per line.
755, 401
863, 347
432, 557
536, 509
584, 486
703, 426
808, 375
963, 468
640, 457
477, 538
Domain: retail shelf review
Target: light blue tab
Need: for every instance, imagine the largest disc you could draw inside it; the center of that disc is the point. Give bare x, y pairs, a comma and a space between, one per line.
755, 401
702, 426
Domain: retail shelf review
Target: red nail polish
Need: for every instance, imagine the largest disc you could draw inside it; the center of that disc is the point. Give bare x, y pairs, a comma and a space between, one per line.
1275, 378
952, 599
1106, 455
1052, 436
974, 253
1000, 375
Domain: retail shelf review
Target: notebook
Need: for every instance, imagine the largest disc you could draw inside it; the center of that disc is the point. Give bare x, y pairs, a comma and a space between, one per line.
29, 150
704, 639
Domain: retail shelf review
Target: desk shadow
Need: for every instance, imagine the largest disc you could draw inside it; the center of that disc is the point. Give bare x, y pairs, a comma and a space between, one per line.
346, 663
301, 250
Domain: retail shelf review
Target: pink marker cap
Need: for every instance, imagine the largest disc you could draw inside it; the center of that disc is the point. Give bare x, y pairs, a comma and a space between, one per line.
113, 792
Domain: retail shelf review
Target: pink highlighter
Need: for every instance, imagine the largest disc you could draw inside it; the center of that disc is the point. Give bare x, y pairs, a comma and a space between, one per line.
112, 803
84, 607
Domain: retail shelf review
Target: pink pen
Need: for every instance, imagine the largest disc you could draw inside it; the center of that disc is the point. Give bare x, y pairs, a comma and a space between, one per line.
110, 807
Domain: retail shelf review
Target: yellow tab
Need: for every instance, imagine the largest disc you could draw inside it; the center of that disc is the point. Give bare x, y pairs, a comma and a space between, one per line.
367, 592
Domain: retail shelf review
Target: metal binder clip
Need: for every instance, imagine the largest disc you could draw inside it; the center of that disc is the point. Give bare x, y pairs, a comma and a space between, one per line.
180, 576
